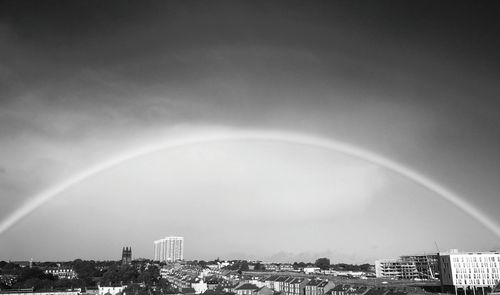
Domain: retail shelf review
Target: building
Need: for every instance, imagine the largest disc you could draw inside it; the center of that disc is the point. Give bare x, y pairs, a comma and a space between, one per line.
169, 249
310, 270
297, 286
339, 290
26, 292
496, 290
127, 255
469, 272
61, 272
318, 287
251, 289
396, 269
412, 267
427, 265
111, 289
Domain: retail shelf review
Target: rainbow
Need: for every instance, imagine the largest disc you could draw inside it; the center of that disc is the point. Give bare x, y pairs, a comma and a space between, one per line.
238, 135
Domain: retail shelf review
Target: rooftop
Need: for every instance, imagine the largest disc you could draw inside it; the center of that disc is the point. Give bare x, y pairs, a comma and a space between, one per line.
247, 287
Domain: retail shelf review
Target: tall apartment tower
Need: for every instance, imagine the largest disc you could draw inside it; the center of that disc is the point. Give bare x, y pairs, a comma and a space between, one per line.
127, 255
169, 249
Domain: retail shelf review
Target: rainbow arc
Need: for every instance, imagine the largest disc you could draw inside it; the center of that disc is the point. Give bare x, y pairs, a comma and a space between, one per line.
238, 135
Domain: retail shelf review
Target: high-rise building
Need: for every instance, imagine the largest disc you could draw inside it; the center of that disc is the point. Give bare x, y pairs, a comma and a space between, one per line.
473, 271
127, 255
169, 249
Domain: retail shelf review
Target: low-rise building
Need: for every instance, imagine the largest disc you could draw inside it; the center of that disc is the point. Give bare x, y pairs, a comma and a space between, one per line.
339, 290
246, 289
52, 292
297, 286
61, 272
309, 270
318, 287
111, 289
280, 282
357, 290
271, 281
377, 291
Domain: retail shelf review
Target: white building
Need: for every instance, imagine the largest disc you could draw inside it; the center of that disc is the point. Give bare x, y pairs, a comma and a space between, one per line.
61, 273
309, 270
112, 290
169, 249
469, 270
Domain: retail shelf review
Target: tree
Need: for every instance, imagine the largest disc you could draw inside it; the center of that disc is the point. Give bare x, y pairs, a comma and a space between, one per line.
244, 265
258, 266
119, 273
323, 263
86, 270
149, 276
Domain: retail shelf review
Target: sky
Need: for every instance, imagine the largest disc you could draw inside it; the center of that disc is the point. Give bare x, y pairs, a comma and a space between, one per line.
83, 81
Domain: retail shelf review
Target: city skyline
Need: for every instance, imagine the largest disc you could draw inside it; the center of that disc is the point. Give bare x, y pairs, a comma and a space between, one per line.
279, 131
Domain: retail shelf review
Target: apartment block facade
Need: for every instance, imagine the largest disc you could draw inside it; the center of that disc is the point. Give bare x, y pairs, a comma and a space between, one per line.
169, 249
469, 270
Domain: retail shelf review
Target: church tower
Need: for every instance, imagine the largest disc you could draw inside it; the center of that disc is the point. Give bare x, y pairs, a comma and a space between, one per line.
127, 255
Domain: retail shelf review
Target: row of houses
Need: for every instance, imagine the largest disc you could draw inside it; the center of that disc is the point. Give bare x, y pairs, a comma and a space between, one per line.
286, 285
61, 272
182, 280
291, 285
341, 289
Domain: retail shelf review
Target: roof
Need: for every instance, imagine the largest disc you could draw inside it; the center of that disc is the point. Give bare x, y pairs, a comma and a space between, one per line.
375, 291
297, 280
322, 284
456, 252
272, 278
247, 287
282, 279
188, 290
214, 292
357, 290
340, 288
313, 282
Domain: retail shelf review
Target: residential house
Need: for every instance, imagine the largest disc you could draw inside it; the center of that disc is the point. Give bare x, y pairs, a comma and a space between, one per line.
377, 291
280, 282
297, 286
246, 289
318, 287
263, 291
188, 291
339, 290
270, 281
111, 289
357, 290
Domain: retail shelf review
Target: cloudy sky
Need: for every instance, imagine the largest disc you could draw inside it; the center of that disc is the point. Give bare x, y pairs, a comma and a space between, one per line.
85, 81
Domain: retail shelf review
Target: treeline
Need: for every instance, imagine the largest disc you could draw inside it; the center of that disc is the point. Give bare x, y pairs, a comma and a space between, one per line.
89, 274
323, 263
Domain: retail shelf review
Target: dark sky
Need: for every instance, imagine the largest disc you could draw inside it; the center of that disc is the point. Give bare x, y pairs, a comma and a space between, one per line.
413, 81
